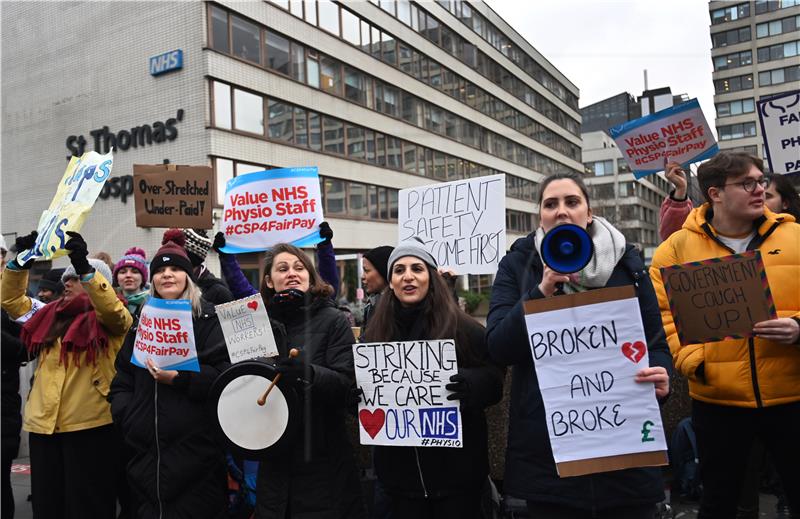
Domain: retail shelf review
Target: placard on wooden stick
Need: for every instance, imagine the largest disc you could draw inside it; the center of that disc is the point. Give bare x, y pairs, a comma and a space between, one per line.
586, 350
168, 195
718, 298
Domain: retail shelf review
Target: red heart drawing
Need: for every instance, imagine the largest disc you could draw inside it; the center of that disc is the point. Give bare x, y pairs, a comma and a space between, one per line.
372, 422
252, 305
634, 351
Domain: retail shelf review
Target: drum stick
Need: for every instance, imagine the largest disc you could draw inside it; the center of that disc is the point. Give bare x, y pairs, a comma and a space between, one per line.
294, 352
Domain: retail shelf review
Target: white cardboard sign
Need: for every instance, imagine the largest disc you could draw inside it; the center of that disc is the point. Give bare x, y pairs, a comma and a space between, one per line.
780, 126
245, 325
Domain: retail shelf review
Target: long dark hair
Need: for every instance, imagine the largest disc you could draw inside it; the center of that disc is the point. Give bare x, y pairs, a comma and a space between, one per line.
316, 286
788, 195
440, 314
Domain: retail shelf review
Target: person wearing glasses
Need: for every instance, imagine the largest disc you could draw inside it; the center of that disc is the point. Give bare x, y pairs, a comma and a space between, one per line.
741, 389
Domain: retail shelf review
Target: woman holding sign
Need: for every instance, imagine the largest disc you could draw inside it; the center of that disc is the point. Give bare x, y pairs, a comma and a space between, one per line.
178, 467
73, 445
436, 482
530, 468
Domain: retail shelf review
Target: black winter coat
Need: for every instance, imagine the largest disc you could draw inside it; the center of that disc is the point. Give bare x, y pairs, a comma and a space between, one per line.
441, 471
530, 469
181, 467
13, 355
322, 483
214, 290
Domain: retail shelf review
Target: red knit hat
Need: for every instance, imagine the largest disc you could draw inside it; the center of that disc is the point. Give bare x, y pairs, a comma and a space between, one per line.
172, 252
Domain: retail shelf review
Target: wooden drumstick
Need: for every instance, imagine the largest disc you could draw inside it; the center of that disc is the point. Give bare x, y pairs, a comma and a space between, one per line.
294, 352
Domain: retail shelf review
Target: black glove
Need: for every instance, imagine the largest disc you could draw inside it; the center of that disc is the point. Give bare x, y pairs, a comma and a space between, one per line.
219, 242
326, 232
78, 252
23, 243
294, 369
460, 388
354, 396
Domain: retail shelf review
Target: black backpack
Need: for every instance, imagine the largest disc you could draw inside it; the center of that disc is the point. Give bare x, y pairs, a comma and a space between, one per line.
685, 461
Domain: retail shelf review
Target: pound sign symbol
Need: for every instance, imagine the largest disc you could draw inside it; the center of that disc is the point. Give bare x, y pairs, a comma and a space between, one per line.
646, 431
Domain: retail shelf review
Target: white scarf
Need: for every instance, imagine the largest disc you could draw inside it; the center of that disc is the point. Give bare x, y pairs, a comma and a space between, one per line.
609, 247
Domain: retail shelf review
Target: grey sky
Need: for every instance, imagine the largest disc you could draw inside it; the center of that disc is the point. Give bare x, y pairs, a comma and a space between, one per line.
604, 46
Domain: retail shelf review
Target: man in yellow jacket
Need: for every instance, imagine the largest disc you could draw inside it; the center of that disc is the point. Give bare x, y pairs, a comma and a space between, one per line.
740, 388
73, 445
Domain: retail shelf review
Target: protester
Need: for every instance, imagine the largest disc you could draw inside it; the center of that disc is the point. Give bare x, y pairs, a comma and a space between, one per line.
105, 258
782, 197
436, 482
72, 440
178, 466
317, 475
740, 388
50, 286
530, 468
215, 291
375, 278
131, 275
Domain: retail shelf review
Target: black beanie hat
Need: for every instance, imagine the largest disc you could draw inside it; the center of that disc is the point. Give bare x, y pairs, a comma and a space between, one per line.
172, 252
52, 281
379, 257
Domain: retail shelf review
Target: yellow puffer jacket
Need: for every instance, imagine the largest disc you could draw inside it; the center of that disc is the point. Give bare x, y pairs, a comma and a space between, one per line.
738, 372
70, 398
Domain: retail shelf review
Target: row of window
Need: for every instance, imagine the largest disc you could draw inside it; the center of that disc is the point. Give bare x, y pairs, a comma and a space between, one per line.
238, 109
779, 75
383, 46
232, 34
494, 36
778, 51
736, 131
737, 107
732, 37
630, 189
766, 6
733, 84
729, 14
519, 221
602, 168
737, 59
775, 27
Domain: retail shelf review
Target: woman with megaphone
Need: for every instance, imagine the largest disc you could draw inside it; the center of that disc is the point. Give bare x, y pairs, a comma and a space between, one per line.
544, 265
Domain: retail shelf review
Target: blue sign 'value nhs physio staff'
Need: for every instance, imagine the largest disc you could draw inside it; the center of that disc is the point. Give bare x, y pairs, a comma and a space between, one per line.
167, 62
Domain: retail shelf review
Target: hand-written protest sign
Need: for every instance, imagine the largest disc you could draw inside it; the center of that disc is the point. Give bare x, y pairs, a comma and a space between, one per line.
166, 334
246, 328
718, 298
680, 134
405, 401
76, 194
168, 195
462, 223
273, 206
780, 127
587, 348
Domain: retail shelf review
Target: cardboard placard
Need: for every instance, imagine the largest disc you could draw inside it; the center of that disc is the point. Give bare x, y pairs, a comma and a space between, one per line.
245, 325
404, 401
677, 134
462, 223
76, 194
718, 298
165, 334
587, 348
780, 127
272, 206
169, 195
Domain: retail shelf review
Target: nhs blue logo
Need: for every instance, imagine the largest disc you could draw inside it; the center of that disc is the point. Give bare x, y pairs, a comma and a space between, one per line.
167, 62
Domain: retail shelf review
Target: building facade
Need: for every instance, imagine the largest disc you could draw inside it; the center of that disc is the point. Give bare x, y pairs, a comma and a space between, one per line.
379, 95
754, 49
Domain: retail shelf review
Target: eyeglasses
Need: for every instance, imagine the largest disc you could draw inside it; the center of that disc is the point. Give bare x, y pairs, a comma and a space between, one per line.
749, 185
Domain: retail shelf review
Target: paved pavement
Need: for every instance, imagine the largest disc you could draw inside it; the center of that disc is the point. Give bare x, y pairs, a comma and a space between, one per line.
21, 483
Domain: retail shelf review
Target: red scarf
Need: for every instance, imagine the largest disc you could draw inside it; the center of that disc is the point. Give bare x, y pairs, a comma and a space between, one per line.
84, 333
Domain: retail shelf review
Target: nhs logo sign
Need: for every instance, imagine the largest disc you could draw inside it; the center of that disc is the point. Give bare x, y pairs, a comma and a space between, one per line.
167, 62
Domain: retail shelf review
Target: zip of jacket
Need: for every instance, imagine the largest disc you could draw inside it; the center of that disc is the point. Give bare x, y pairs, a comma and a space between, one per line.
419, 469
158, 453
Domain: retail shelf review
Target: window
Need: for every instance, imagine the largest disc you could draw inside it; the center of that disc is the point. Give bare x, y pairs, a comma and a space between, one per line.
222, 105
249, 112
277, 53
733, 84
393, 153
351, 31
737, 59
600, 168
410, 158
732, 37
223, 171
330, 75
335, 202
779, 51
311, 11
219, 30
728, 14
387, 99
296, 7
312, 69
300, 127
298, 62
519, 222
738, 107
389, 45
355, 142
357, 200
328, 16
776, 27
355, 86
763, 6
246, 39
314, 131
736, 131
778, 76
280, 121
333, 135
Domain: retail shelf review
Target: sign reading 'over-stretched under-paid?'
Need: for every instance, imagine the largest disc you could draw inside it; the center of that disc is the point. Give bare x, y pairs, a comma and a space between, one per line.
272, 206
461, 223
170, 195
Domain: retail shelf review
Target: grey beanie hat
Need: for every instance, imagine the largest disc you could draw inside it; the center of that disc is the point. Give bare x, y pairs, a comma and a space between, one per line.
411, 247
99, 265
